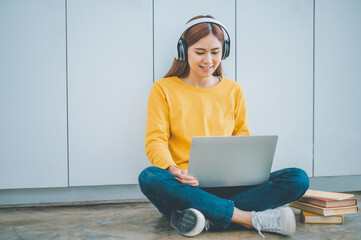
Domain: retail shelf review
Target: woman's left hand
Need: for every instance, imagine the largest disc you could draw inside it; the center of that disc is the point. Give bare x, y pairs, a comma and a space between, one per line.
182, 176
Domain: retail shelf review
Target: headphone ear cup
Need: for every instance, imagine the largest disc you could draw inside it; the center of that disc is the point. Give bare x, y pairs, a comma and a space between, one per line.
182, 50
226, 49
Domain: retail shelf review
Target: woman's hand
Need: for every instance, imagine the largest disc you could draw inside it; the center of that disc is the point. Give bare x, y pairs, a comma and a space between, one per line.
183, 176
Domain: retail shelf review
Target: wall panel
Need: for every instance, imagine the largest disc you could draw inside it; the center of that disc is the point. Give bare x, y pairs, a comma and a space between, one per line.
337, 87
33, 130
274, 66
110, 76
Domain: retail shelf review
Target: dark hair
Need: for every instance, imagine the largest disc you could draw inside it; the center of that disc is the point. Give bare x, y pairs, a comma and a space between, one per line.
191, 36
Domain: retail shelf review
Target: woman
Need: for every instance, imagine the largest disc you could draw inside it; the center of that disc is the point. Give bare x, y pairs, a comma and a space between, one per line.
195, 99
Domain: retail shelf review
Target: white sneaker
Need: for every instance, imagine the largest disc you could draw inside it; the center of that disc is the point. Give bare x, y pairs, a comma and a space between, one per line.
189, 222
280, 220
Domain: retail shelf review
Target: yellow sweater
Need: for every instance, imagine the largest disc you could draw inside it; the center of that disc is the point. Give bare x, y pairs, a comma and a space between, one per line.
178, 111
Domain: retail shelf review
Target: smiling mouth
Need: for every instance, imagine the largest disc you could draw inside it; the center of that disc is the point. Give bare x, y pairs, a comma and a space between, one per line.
206, 68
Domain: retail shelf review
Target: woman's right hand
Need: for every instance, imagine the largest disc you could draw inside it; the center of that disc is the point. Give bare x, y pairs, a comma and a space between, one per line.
183, 176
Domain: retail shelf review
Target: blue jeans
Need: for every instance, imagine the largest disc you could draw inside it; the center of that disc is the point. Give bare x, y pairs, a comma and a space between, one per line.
217, 204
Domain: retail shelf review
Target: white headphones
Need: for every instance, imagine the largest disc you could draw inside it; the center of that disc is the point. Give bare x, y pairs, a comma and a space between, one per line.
182, 46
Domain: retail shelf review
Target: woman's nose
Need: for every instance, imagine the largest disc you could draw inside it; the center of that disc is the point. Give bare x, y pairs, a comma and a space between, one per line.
207, 57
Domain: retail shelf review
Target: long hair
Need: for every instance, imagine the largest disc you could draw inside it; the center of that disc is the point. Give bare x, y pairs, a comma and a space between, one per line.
191, 36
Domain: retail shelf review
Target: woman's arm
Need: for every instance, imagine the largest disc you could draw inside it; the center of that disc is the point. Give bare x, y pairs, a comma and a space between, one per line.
241, 121
158, 129
157, 135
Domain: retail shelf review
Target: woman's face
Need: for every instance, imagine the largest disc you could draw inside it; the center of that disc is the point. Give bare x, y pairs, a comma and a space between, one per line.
204, 57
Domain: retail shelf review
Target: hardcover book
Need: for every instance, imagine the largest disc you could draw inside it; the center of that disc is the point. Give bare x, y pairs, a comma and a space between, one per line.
323, 211
323, 202
327, 195
307, 217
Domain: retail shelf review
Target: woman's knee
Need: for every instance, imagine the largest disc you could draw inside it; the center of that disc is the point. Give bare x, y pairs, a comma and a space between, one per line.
148, 177
300, 180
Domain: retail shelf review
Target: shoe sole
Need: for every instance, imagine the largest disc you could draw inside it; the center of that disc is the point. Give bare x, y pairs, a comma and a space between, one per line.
189, 222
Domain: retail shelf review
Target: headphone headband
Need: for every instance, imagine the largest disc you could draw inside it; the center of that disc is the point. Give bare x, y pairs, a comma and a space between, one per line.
203, 20
181, 46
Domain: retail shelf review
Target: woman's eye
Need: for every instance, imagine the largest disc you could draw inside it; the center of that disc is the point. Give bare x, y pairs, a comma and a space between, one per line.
199, 53
215, 53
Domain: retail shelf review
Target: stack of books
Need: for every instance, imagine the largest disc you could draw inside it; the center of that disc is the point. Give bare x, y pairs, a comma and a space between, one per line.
325, 207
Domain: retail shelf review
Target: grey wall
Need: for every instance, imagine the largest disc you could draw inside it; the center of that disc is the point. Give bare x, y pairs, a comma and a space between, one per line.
75, 77
110, 75
33, 101
274, 65
337, 88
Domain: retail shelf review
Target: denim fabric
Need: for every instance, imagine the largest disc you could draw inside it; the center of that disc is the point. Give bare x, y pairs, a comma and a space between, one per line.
217, 204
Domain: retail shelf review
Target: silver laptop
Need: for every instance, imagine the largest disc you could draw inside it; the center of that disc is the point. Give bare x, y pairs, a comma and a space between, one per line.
232, 160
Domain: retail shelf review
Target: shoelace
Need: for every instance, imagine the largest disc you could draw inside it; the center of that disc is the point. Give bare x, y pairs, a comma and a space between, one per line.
258, 227
207, 225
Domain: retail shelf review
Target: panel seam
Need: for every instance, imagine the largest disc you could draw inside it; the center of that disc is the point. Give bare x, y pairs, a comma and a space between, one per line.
153, 38
67, 87
313, 82
235, 41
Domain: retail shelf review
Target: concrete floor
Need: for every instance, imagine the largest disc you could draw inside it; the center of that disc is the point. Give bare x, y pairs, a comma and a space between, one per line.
138, 221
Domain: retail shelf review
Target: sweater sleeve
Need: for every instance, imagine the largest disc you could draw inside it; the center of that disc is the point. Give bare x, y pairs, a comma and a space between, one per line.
241, 125
158, 129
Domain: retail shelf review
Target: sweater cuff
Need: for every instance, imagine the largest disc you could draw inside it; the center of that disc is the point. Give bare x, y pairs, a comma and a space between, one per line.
165, 165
